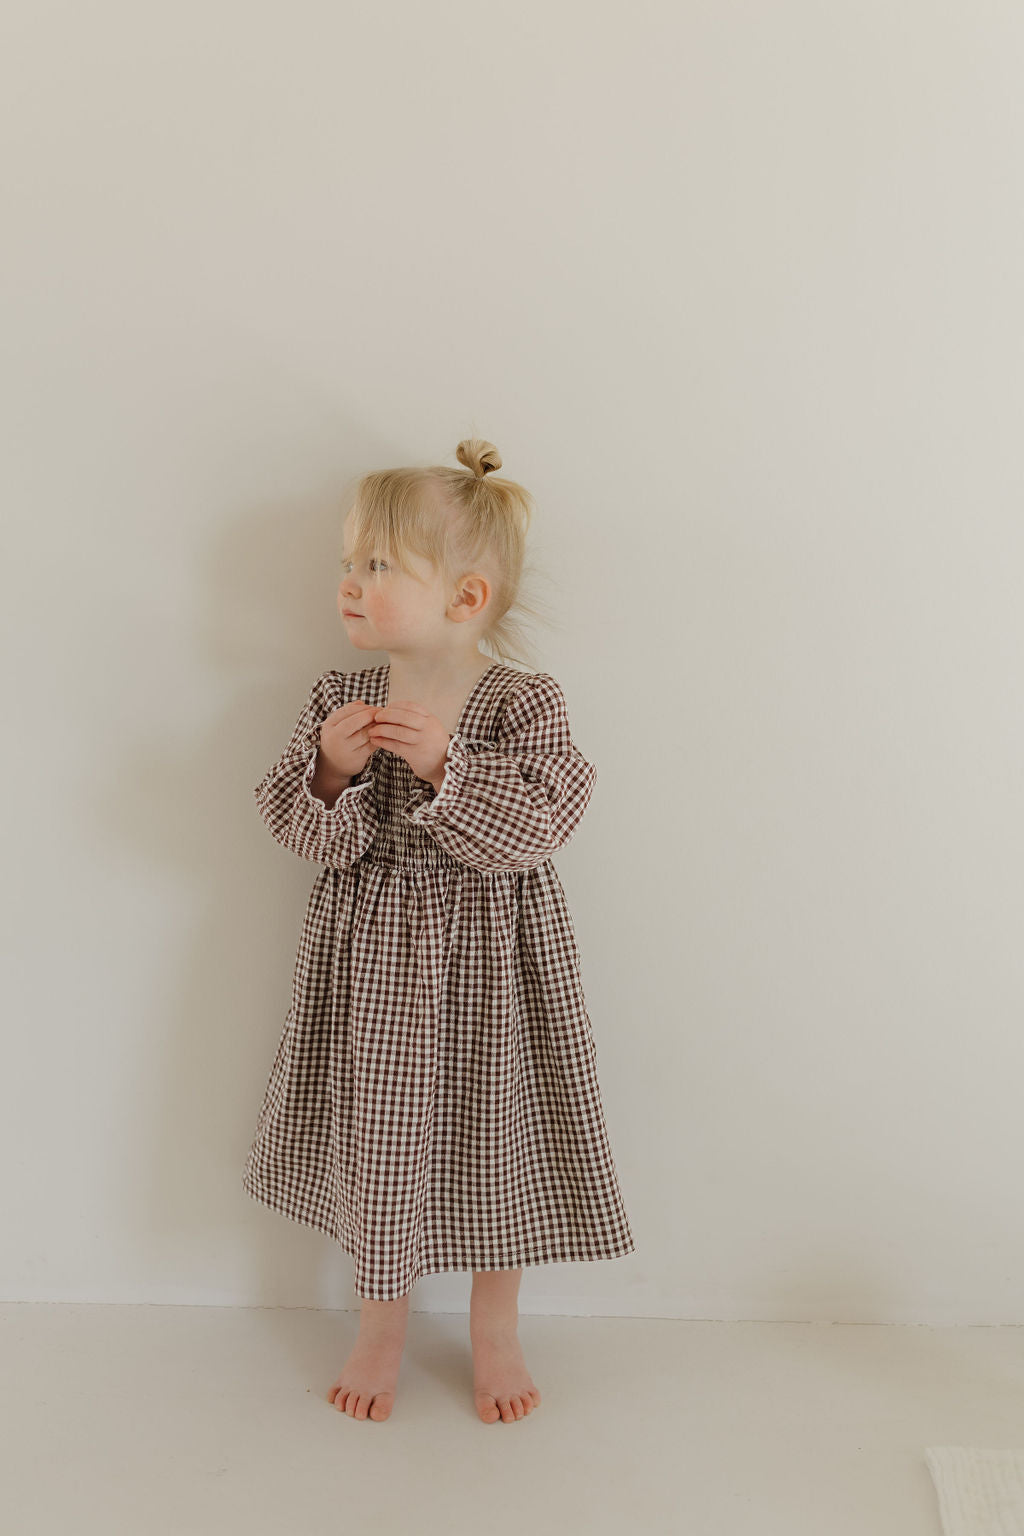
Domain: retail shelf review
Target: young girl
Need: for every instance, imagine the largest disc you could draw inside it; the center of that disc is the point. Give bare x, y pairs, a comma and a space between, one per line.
434, 1102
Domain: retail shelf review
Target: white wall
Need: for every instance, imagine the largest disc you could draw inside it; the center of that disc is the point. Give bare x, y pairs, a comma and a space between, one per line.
736, 290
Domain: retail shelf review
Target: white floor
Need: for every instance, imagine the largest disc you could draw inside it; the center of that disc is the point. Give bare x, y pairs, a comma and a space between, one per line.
178, 1421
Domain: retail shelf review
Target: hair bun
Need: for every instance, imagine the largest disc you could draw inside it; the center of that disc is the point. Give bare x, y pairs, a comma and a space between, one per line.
479, 456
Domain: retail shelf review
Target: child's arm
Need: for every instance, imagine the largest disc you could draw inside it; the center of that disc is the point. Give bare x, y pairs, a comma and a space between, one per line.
337, 835
509, 804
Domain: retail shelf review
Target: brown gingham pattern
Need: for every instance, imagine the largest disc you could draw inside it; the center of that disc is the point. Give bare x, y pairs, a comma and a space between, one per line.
434, 1101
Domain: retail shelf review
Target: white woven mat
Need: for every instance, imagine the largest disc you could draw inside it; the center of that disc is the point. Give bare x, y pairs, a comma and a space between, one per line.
981, 1493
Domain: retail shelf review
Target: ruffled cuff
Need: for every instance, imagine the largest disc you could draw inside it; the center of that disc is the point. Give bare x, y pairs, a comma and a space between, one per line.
356, 791
424, 802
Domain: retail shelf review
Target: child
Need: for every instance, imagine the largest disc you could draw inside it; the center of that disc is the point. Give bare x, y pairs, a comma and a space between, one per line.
434, 1102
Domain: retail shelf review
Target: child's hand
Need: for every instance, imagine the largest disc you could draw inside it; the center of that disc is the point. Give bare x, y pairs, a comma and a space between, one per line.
344, 739
412, 732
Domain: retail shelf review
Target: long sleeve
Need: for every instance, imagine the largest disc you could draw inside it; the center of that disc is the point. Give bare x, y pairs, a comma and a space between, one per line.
508, 804
294, 816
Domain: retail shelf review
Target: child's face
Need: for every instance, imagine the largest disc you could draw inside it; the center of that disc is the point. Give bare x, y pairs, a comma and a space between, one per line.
384, 609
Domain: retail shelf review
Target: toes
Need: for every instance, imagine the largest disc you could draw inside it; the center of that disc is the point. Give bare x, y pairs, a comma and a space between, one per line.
373, 1405
508, 1409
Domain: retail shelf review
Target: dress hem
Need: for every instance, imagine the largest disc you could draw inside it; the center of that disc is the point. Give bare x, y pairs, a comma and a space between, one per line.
594, 1256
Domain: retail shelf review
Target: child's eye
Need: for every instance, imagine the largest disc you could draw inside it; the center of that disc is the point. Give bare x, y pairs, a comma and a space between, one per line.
345, 564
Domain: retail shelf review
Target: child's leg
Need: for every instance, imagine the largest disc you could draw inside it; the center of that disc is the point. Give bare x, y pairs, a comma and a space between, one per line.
502, 1386
366, 1386
495, 1297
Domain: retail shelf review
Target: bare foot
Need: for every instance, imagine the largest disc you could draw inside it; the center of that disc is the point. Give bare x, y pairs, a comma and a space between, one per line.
366, 1386
502, 1386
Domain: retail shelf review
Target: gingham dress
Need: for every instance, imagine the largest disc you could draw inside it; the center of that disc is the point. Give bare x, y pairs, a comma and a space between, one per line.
434, 1102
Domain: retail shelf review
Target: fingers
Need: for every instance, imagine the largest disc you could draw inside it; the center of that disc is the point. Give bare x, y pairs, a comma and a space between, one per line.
389, 732
355, 710
368, 713
403, 709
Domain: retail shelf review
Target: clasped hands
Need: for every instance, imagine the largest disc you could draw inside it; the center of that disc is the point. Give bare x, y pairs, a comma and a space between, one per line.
350, 735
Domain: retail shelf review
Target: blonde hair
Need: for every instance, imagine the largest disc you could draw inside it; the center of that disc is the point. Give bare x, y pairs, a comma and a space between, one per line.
459, 521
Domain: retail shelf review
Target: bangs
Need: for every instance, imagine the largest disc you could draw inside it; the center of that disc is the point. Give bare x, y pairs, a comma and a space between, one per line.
394, 517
